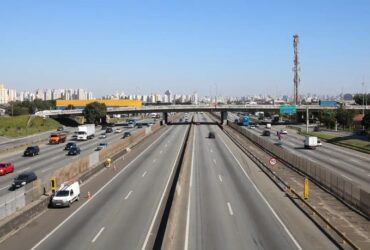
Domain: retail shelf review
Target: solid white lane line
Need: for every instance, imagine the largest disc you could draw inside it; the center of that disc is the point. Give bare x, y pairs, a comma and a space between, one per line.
186, 245
220, 178
97, 235
214, 160
22, 170
144, 174
230, 209
334, 160
4, 187
264, 199
346, 177
162, 197
128, 195
99, 191
46, 169
354, 160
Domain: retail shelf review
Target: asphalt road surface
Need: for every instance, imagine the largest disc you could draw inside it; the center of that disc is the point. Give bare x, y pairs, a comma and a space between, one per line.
350, 164
121, 215
52, 157
227, 211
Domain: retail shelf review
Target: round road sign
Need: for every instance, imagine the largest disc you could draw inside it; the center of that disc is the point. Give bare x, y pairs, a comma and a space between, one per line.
272, 161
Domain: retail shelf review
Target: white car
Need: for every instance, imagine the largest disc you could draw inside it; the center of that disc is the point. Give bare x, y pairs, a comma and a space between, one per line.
118, 130
283, 131
103, 136
66, 194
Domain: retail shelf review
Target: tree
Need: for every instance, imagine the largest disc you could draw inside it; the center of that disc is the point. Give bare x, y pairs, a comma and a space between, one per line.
345, 117
94, 112
70, 106
366, 120
359, 99
327, 117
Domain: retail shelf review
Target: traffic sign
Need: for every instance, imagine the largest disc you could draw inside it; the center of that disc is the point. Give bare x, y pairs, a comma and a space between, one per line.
288, 109
273, 161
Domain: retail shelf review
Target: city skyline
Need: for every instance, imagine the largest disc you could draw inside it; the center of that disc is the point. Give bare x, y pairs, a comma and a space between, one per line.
232, 47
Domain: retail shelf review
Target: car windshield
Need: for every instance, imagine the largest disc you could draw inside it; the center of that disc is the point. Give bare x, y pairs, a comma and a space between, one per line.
103, 144
81, 132
62, 193
22, 177
2, 165
30, 148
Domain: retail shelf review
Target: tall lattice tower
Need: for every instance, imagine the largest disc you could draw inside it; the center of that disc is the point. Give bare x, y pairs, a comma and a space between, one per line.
296, 69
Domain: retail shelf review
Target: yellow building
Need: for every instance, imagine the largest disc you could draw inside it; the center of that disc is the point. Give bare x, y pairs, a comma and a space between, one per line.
80, 104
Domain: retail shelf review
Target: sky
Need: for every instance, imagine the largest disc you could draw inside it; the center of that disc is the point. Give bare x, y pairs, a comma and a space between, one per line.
231, 48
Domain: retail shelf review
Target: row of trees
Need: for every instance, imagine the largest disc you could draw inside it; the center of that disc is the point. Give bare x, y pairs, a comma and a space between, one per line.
29, 107
344, 117
361, 98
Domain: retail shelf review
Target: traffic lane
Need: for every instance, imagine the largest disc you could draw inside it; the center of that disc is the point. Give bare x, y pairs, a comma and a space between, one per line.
125, 207
210, 225
49, 162
301, 227
34, 231
335, 151
243, 219
353, 173
361, 158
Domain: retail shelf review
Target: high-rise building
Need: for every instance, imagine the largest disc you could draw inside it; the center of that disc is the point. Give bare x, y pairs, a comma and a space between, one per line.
3, 94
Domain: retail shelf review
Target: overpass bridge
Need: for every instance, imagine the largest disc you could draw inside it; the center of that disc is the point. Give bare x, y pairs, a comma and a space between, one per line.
223, 109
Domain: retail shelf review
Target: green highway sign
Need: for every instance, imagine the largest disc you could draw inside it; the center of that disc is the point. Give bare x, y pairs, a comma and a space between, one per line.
288, 109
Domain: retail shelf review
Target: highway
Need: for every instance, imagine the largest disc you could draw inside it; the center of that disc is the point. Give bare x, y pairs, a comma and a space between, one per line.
351, 164
121, 216
232, 205
51, 157
227, 211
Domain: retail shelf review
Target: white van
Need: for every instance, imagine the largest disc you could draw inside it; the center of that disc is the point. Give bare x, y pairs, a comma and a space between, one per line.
66, 194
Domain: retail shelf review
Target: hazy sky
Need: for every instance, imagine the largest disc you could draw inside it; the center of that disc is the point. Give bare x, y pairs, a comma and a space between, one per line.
242, 47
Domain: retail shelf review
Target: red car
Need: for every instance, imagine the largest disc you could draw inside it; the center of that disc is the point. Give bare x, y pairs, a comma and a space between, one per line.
6, 167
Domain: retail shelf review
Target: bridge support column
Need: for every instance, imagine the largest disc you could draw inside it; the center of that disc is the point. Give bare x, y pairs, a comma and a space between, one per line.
165, 117
223, 117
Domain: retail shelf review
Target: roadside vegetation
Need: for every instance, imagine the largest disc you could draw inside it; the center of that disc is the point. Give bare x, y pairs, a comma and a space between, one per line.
24, 125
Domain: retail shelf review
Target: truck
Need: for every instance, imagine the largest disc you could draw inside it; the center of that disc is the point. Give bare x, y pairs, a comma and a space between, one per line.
310, 142
85, 132
56, 138
245, 120
328, 103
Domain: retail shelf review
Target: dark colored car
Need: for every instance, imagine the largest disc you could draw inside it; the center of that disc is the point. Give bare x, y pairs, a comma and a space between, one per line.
139, 125
211, 135
74, 151
6, 167
60, 128
23, 179
266, 133
126, 134
32, 151
70, 145
109, 130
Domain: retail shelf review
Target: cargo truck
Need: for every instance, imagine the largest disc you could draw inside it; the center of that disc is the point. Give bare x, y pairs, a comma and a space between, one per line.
245, 121
310, 142
56, 138
85, 132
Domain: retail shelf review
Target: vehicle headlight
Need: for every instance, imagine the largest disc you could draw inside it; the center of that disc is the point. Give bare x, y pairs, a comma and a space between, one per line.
23, 183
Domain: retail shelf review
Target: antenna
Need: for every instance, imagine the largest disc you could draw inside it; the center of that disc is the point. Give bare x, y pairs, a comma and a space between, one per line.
296, 69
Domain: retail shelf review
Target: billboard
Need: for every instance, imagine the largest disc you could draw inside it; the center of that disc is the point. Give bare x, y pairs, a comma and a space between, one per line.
288, 109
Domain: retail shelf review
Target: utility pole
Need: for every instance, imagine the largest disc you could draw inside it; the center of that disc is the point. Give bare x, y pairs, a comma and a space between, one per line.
296, 69
363, 102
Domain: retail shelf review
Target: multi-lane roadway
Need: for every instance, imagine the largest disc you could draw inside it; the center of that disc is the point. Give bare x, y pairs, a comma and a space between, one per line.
231, 204
350, 164
51, 157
